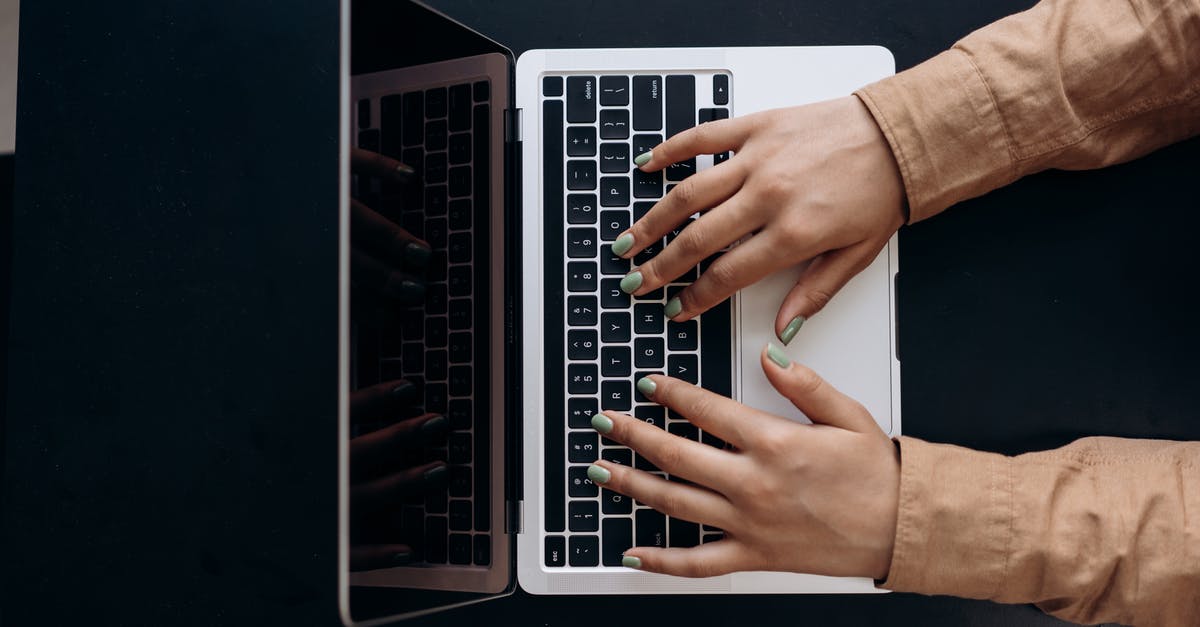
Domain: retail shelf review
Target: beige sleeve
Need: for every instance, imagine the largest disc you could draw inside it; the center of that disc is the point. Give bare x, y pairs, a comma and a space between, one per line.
1069, 84
1104, 529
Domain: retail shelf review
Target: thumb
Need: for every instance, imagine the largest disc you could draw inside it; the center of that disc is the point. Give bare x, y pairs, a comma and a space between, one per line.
824, 277
820, 401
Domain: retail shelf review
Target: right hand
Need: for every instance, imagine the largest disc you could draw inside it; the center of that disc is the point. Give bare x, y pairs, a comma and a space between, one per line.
816, 182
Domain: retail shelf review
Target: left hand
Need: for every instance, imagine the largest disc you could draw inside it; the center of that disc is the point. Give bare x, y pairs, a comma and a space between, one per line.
819, 498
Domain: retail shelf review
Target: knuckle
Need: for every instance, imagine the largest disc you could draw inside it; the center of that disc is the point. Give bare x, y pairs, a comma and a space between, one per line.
817, 299
806, 380
685, 193
669, 455
692, 241
722, 274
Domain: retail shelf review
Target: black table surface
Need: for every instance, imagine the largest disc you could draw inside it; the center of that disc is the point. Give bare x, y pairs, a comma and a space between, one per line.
170, 432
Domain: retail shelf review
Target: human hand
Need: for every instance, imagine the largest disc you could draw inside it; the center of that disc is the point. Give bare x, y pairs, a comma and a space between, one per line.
385, 259
816, 182
819, 498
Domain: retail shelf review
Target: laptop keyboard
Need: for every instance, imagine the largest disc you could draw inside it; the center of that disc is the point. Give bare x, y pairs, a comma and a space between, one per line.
444, 133
592, 128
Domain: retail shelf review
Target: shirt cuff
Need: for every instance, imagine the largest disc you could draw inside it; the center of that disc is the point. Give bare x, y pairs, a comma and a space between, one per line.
954, 521
945, 131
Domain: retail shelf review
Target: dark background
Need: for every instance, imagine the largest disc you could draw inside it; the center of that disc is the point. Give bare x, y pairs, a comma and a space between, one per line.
170, 437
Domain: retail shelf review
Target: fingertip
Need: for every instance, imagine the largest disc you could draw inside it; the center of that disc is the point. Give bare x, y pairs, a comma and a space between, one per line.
631, 561
644, 159
776, 356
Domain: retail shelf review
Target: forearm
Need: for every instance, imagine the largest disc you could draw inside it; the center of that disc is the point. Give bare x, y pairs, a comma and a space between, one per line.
1104, 529
1069, 84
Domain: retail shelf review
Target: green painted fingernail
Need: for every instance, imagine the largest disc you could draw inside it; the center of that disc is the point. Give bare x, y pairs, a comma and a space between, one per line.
646, 387
673, 308
631, 282
623, 244
435, 474
434, 426
602, 423
775, 354
598, 474
629, 561
417, 254
790, 330
643, 158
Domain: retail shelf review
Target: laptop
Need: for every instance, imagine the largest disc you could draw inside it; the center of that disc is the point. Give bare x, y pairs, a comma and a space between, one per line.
471, 365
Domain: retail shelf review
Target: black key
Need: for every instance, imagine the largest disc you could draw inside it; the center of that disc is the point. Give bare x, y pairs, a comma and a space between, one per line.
712, 440
581, 99
720, 114
459, 108
704, 115
582, 447
460, 380
581, 276
460, 181
720, 157
581, 141
460, 148
681, 170
683, 533
460, 214
615, 361
556, 551
435, 168
617, 455
616, 395
435, 200
582, 379
391, 114
614, 124
585, 550
437, 268
583, 516
645, 143
647, 103
435, 102
460, 513
685, 430
482, 169
458, 448
435, 303
618, 537
641, 463
435, 539
460, 481
651, 414
552, 199
717, 349
580, 411
615, 503
647, 184
460, 314
581, 209
614, 327
581, 174
435, 502
680, 103
647, 319
581, 243
482, 553
614, 191
640, 209
460, 548
459, 281
364, 113
414, 118
681, 336
459, 414
613, 223
612, 296
651, 528
481, 90
460, 346
435, 135
720, 93
415, 159
614, 91
413, 357
458, 250
436, 365
614, 157
612, 264
647, 254
578, 483
552, 86
582, 344
435, 332
648, 352
436, 232
369, 140
582, 310
684, 366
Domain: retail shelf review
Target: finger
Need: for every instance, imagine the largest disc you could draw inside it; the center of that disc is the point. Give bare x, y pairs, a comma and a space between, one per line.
820, 401
380, 451
381, 401
381, 238
746, 263
396, 487
712, 232
695, 194
721, 416
677, 500
824, 277
707, 139
375, 164
707, 560
378, 279
672, 454
374, 556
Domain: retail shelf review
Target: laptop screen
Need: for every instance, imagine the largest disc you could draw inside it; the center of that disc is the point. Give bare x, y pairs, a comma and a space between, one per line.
425, 522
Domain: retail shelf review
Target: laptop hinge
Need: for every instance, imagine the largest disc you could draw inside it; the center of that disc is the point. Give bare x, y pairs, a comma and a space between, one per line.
513, 131
514, 517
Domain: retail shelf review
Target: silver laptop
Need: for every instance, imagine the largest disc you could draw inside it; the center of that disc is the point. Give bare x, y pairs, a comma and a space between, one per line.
513, 328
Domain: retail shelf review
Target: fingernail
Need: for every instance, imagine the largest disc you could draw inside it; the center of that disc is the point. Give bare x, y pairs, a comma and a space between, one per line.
404, 171
643, 158
433, 426
646, 387
435, 474
411, 292
623, 244
602, 423
673, 307
402, 557
416, 254
631, 282
403, 391
775, 354
790, 330
598, 474
629, 561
